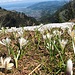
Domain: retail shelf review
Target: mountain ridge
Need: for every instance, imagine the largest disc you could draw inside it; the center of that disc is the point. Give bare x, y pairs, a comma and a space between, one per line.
36, 10
13, 18
64, 14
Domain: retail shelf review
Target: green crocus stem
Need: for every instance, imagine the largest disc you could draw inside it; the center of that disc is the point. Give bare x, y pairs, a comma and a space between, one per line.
6, 68
8, 49
58, 52
16, 62
73, 45
14, 35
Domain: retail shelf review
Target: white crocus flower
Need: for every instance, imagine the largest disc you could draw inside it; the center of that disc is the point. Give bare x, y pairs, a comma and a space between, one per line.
63, 43
73, 43
19, 33
42, 32
3, 30
69, 67
5, 63
48, 45
44, 36
71, 33
63, 29
22, 42
7, 28
47, 36
5, 42
56, 32
13, 29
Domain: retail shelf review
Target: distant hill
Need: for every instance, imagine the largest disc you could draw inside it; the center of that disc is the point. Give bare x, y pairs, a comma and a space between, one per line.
13, 18
39, 9
16, 5
64, 14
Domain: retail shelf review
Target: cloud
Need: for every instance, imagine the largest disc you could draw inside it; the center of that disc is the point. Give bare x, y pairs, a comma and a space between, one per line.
5, 1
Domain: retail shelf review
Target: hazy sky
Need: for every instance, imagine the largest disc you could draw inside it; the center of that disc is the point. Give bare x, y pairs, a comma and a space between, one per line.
6, 1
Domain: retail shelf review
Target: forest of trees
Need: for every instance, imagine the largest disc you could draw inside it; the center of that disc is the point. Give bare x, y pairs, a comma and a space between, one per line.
17, 19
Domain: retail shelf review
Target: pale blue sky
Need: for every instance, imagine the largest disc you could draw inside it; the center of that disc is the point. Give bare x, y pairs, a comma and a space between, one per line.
6, 1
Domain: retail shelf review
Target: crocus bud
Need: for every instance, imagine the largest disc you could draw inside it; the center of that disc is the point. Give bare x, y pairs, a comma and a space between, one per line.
69, 67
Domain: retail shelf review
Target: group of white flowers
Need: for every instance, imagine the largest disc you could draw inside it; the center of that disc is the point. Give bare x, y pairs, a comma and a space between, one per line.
5, 63
63, 42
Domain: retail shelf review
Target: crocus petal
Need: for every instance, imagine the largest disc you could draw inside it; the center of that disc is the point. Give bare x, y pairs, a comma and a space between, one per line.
63, 43
2, 66
18, 54
6, 63
2, 43
2, 61
8, 40
70, 66
73, 47
44, 36
3, 40
22, 42
7, 60
9, 66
